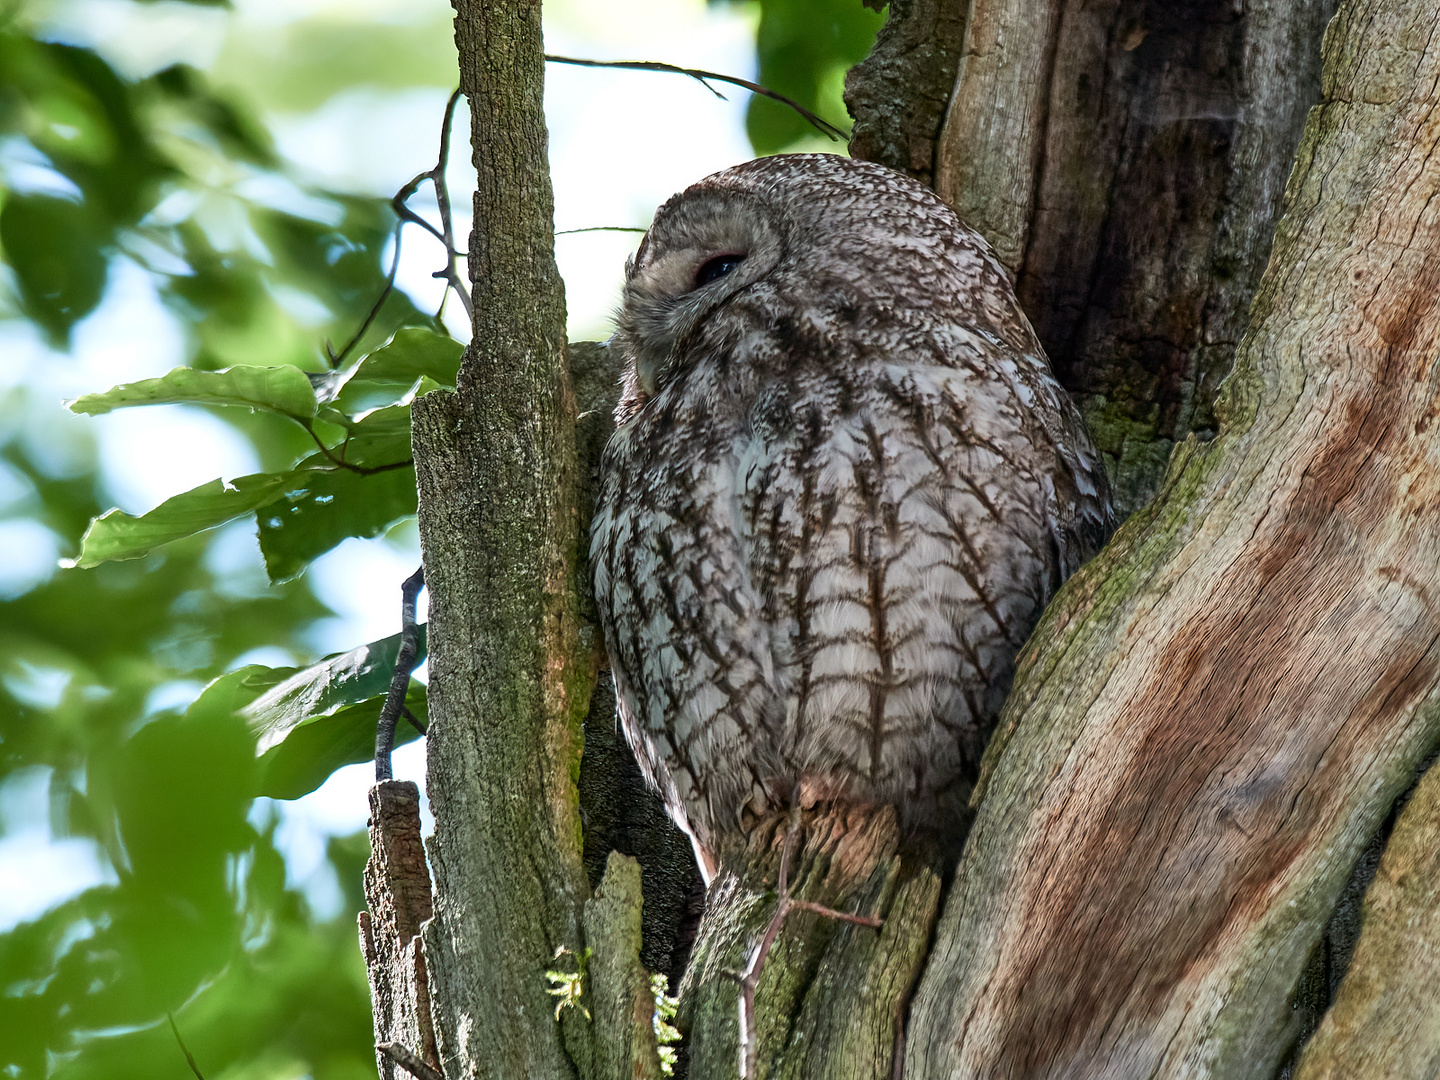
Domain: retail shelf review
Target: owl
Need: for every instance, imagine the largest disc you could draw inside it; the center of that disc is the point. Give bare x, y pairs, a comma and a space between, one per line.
842, 486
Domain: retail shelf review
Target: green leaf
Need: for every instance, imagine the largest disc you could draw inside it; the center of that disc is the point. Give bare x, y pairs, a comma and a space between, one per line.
380, 439
331, 506
117, 535
56, 249
389, 373
323, 689
282, 389
804, 48
316, 748
324, 716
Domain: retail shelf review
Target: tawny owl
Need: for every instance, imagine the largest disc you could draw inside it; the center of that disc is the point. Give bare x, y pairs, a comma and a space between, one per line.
842, 486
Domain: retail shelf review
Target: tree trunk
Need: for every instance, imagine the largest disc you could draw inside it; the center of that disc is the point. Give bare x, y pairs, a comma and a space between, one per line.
1212, 720
1215, 717
495, 463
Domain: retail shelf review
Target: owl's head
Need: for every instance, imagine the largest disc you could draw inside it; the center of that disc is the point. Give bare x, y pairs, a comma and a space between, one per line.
705, 245
796, 236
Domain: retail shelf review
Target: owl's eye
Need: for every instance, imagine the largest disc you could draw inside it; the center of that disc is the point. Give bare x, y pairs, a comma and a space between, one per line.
717, 267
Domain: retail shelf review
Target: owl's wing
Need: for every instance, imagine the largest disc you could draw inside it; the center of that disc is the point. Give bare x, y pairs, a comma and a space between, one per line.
692, 661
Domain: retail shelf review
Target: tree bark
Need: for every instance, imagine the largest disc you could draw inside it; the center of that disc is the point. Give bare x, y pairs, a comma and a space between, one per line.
1386, 1019
398, 901
1126, 160
495, 463
1218, 713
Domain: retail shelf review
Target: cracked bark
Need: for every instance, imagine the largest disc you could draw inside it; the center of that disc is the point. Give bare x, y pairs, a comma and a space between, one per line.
1126, 159
1215, 718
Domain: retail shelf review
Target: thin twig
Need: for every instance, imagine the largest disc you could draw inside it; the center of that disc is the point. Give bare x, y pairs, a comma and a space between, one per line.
442, 202
189, 1057
340, 462
603, 228
446, 233
336, 359
703, 78
415, 721
400, 681
830, 913
409, 1061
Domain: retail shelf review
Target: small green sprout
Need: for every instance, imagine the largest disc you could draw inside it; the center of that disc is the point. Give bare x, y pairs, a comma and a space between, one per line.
665, 1032
566, 985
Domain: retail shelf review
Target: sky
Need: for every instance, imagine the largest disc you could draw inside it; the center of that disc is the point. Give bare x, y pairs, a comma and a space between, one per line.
620, 144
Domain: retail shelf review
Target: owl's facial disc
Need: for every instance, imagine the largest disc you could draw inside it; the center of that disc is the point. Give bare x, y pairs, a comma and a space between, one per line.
703, 248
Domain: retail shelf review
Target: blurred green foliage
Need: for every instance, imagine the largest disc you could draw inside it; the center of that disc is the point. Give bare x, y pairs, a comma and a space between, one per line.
182, 179
173, 175
805, 47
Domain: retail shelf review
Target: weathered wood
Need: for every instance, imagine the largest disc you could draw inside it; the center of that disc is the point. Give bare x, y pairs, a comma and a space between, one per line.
509, 679
1126, 160
397, 896
622, 1005
1215, 716
832, 995
899, 93
1386, 1019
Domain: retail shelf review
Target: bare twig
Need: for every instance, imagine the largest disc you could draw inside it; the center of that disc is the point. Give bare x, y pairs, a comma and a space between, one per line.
415, 721
189, 1057
409, 1061
749, 979
400, 681
704, 78
446, 233
336, 359
603, 228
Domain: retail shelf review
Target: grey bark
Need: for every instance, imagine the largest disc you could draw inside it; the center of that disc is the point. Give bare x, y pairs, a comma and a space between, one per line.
1126, 159
499, 530
1217, 714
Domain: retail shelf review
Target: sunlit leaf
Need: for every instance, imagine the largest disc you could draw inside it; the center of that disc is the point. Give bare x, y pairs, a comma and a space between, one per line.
118, 535
312, 751
391, 371
325, 688
282, 389
331, 506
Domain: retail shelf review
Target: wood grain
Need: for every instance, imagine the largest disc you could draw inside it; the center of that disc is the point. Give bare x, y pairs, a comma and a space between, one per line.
1209, 726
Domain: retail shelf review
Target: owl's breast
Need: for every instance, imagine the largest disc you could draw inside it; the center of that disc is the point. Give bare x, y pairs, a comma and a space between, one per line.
898, 568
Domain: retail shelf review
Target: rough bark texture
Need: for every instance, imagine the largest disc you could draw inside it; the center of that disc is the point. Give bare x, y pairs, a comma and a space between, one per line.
397, 895
623, 813
1126, 158
832, 995
1386, 1019
898, 94
622, 1011
1216, 715
495, 462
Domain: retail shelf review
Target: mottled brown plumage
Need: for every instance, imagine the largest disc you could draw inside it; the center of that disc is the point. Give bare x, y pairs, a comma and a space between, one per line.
843, 484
